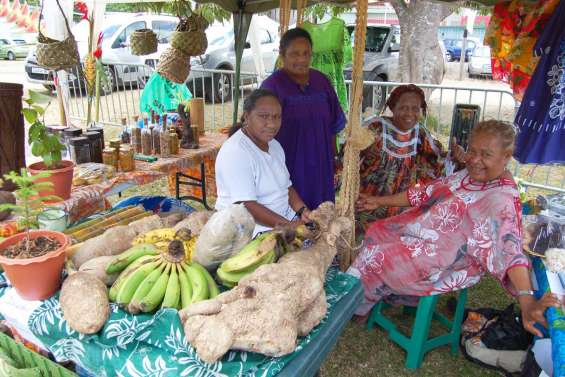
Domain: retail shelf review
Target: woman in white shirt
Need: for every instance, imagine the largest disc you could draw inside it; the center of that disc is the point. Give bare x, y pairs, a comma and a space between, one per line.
251, 169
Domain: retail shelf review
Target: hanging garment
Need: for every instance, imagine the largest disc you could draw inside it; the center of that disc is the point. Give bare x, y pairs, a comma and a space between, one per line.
331, 51
162, 95
541, 117
512, 34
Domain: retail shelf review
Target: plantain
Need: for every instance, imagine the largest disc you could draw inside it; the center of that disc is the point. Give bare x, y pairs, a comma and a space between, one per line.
113, 292
199, 283
144, 288
120, 262
127, 290
252, 254
185, 287
155, 296
213, 290
172, 294
155, 236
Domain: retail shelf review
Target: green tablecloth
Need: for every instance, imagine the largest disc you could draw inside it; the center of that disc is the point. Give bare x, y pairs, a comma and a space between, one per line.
154, 345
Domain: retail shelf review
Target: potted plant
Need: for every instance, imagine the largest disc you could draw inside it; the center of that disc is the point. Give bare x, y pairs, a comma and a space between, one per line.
48, 147
33, 259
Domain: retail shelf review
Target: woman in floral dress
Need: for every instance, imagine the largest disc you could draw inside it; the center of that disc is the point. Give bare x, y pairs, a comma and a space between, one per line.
458, 228
403, 154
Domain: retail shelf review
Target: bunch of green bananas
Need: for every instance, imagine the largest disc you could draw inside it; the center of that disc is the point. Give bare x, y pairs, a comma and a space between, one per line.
264, 249
152, 279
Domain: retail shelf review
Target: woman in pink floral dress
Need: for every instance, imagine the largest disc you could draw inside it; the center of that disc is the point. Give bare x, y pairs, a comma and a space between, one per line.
458, 228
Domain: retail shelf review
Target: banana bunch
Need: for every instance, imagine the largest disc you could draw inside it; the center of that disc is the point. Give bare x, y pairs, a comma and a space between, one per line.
264, 249
152, 277
162, 237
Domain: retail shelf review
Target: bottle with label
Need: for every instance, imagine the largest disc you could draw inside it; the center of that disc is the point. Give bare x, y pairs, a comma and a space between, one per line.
126, 135
146, 142
165, 143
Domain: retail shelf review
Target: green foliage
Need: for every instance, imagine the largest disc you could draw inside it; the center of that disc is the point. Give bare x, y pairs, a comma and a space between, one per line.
179, 8
319, 10
29, 202
43, 145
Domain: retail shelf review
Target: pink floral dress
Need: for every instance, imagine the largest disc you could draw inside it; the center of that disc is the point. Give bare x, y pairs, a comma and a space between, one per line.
456, 231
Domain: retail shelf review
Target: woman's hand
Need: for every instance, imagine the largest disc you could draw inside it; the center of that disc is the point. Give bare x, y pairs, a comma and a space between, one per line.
532, 311
367, 202
305, 218
457, 152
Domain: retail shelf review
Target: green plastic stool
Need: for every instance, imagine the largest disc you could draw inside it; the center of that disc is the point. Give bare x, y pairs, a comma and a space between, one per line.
418, 344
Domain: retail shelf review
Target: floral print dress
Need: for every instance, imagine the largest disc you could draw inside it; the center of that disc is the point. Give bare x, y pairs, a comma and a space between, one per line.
456, 231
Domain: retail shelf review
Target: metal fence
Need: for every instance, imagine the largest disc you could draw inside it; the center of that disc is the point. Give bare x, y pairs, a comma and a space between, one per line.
122, 99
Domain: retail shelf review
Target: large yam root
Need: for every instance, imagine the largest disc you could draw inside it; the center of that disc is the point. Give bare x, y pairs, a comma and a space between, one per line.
272, 306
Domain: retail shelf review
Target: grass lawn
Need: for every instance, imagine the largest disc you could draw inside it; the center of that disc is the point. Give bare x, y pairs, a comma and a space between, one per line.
360, 353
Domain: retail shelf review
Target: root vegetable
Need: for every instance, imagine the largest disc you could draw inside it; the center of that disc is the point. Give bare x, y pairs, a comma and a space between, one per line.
195, 221
97, 267
84, 302
114, 241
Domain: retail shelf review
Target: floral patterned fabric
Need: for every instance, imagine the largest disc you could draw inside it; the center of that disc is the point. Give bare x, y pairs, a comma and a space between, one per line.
541, 117
512, 33
457, 231
384, 174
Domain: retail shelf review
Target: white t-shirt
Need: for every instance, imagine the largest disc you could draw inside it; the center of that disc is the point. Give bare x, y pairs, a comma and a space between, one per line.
246, 173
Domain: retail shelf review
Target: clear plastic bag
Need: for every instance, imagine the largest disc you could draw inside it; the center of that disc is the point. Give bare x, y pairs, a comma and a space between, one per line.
91, 173
225, 234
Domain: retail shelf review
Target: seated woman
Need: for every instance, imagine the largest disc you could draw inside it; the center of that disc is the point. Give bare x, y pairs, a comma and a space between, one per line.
458, 228
251, 169
404, 152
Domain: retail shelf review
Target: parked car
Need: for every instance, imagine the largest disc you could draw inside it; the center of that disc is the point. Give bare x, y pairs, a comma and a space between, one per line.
122, 66
453, 48
12, 49
480, 62
220, 55
382, 45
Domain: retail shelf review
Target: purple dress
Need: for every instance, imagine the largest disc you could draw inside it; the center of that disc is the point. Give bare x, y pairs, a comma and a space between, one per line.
311, 116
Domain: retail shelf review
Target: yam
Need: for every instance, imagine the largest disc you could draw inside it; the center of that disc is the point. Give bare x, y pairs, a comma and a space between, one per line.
195, 222
146, 224
97, 267
114, 241
169, 220
84, 303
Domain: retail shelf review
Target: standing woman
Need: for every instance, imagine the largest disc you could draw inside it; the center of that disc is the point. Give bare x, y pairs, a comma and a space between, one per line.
311, 119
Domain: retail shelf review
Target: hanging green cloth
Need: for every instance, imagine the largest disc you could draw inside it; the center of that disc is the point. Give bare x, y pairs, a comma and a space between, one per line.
162, 95
331, 52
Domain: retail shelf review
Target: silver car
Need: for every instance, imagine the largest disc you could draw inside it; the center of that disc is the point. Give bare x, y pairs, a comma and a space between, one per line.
480, 63
220, 55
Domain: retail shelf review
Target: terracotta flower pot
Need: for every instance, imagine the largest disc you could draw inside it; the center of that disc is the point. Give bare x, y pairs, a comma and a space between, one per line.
36, 278
62, 178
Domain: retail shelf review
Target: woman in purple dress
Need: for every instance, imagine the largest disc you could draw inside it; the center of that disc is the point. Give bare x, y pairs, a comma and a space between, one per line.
311, 119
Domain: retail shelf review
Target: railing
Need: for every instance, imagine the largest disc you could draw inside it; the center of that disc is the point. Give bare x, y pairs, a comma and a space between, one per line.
217, 87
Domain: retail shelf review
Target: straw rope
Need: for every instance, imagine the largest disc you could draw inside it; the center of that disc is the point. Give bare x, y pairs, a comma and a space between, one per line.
356, 139
300, 5
284, 15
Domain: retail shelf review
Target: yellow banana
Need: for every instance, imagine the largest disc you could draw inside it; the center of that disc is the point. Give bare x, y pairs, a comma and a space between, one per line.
172, 294
199, 283
144, 288
156, 235
213, 290
132, 282
185, 287
121, 261
155, 296
113, 292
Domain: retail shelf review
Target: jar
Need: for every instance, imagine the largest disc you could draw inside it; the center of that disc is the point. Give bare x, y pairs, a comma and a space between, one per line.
98, 129
136, 139
174, 141
125, 136
68, 134
96, 146
146, 142
54, 219
110, 157
127, 163
80, 150
115, 143
156, 135
165, 142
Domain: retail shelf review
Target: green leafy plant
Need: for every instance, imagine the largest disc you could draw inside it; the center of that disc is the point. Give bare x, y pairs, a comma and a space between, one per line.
29, 203
43, 145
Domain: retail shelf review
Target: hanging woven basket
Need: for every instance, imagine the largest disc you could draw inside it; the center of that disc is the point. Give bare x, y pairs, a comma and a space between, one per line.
174, 65
143, 42
54, 54
192, 43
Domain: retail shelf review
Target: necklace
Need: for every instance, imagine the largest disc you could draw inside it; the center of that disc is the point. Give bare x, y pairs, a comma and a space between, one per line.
468, 184
408, 147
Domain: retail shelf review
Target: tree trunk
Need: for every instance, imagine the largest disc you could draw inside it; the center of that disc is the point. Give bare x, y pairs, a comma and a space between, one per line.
421, 59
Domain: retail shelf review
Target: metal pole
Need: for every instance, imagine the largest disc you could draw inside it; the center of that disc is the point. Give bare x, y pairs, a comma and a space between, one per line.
463, 55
